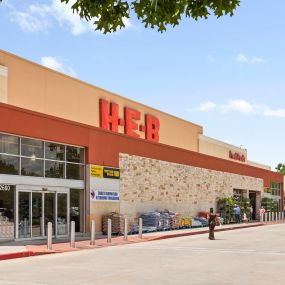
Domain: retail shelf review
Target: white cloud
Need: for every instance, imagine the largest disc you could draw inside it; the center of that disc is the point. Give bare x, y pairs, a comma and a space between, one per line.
279, 113
254, 60
244, 107
238, 105
207, 106
55, 64
28, 22
40, 17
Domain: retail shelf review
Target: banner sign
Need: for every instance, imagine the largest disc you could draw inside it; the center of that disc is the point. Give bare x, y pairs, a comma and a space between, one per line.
104, 172
109, 172
104, 196
96, 171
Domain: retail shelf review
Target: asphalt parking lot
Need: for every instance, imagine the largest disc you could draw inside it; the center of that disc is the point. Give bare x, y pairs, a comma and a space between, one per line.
244, 256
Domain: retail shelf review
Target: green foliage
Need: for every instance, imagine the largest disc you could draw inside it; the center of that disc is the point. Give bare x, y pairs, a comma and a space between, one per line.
269, 204
108, 15
280, 168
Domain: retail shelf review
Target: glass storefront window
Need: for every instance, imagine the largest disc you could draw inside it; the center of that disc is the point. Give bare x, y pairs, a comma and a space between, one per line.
54, 151
9, 144
74, 171
32, 148
32, 167
54, 169
7, 196
74, 154
9, 164
30, 157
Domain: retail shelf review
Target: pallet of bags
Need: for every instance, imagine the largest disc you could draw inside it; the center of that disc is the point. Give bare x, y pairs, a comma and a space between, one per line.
174, 220
151, 219
203, 221
117, 223
181, 222
187, 222
195, 223
165, 220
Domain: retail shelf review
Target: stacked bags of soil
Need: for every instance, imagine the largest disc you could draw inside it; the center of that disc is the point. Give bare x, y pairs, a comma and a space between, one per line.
151, 221
117, 223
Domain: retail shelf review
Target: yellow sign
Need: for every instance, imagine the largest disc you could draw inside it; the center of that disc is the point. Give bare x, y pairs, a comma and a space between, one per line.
96, 171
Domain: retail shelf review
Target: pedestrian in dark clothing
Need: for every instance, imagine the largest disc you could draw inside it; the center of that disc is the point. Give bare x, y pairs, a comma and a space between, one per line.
237, 213
212, 224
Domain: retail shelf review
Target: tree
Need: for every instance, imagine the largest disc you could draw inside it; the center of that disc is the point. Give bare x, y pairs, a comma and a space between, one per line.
280, 168
108, 15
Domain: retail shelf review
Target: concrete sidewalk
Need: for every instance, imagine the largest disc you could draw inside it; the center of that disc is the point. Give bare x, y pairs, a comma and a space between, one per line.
10, 251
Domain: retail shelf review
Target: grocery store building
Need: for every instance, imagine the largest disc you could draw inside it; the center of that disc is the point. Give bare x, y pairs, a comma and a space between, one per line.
73, 151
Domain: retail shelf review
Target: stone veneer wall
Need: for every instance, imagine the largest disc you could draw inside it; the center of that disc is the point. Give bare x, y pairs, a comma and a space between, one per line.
149, 184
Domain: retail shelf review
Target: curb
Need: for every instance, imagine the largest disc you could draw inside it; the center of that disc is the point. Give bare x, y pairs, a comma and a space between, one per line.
205, 232
14, 255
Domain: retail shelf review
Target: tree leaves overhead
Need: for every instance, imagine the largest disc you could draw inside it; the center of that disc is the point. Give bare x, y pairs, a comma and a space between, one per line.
280, 168
109, 15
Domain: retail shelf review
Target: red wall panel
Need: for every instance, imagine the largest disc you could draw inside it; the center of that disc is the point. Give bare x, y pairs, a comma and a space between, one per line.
104, 146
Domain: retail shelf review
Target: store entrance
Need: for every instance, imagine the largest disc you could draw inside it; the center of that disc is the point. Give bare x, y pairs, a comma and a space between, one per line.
252, 198
36, 208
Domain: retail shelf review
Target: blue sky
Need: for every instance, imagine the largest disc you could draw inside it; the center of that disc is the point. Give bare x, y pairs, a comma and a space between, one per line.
225, 74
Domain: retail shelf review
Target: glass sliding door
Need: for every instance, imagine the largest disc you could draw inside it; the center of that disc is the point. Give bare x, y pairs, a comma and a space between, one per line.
37, 218
62, 221
24, 215
77, 208
49, 211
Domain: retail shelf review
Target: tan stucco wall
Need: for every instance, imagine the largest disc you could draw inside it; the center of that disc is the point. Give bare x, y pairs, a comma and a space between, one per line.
36, 88
148, 184
218, 148
3, 84
98, 209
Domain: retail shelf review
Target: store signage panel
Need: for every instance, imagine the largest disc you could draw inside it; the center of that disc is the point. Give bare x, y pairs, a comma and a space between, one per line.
236, 156
104, 196
97, 171
109, 172
131, 122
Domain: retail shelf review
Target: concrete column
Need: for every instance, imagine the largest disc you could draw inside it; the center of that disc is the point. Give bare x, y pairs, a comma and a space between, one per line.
140, 228
93, 232
109, 232
72, 235
49, 236
126, 229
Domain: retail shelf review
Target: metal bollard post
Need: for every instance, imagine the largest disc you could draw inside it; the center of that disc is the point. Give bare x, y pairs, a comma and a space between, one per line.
279, 216
109, 237
266, 217
282, 215
261, 218
72, 235
49, 236
140, 228
276, 217
93, 232
126, 229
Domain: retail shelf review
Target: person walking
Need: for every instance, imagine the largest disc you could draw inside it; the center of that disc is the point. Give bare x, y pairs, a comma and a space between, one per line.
212, 224
250, 213
237, 214
261, 214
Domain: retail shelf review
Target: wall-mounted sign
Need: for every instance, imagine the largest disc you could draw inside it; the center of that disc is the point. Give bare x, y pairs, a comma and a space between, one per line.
109, 172
131, 122
104, 172
4, 187
236, 156
104, 196
96, 171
